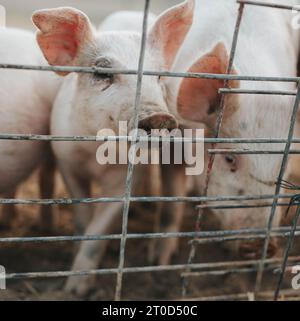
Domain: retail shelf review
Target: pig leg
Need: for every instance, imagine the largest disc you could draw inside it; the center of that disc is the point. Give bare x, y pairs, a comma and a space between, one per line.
79, 187
91, 253
153, 244
153, 188
8, 212
174, 184
46, 183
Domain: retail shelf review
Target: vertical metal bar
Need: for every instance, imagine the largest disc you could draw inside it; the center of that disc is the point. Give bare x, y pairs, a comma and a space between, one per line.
277, 191
287, 253
217, 132
129, 178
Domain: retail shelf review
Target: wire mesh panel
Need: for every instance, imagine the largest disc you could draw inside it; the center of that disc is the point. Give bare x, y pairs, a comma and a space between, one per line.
197, 237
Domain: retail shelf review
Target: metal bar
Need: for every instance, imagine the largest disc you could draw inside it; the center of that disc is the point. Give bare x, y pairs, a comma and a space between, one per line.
67, 201
221, 110
55, 274
257, 92
239, 238
109, 271
129, 139
284, 231
240, 206
287, 253
251, 152
225, 272
129, 179
236, 264
106, 71
269, 5
286, 296
277, 190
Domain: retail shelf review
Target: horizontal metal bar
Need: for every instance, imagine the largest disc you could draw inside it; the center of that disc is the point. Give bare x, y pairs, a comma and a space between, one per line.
258, 92
146, 269
129, 139
55, 274
200, 199
269, 5
110, 71
235, 264
286, 295
204, 234
226, 272
53, 239
251, 152
239, 238
243, 206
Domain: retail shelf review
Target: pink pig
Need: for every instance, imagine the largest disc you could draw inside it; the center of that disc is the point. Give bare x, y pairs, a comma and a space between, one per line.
26, 99
87, 103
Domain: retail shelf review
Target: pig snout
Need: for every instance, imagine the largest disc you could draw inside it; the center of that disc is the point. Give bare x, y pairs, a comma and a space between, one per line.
253, 250
158, 121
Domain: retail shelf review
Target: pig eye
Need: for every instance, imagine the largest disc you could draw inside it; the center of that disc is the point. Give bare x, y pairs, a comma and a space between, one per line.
232, 162
103, 62
101, 76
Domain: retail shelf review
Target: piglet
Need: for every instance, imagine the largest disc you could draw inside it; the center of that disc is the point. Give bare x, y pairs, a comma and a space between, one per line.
87, 103
26, 99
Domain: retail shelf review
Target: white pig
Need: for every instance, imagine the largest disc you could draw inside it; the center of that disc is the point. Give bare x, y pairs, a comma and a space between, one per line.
267, 46
169, 215
26, 99
88, 103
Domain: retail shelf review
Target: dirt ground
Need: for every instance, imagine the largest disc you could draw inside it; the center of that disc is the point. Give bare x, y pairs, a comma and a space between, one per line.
141, 286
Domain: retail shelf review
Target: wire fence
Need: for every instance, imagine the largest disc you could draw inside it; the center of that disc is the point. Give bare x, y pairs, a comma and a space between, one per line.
191, 269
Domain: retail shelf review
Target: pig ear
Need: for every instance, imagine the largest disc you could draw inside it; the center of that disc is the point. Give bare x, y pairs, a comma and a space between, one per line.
170, 30
63, 33
198, 99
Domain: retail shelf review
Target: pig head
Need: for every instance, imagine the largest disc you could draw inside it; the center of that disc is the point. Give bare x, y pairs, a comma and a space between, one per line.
196, 102
67, 38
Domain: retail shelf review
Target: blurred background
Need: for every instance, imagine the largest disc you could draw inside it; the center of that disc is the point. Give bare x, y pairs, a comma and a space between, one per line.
19, 12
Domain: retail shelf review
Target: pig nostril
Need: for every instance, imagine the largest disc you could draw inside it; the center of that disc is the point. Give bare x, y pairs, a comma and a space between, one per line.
158, 121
